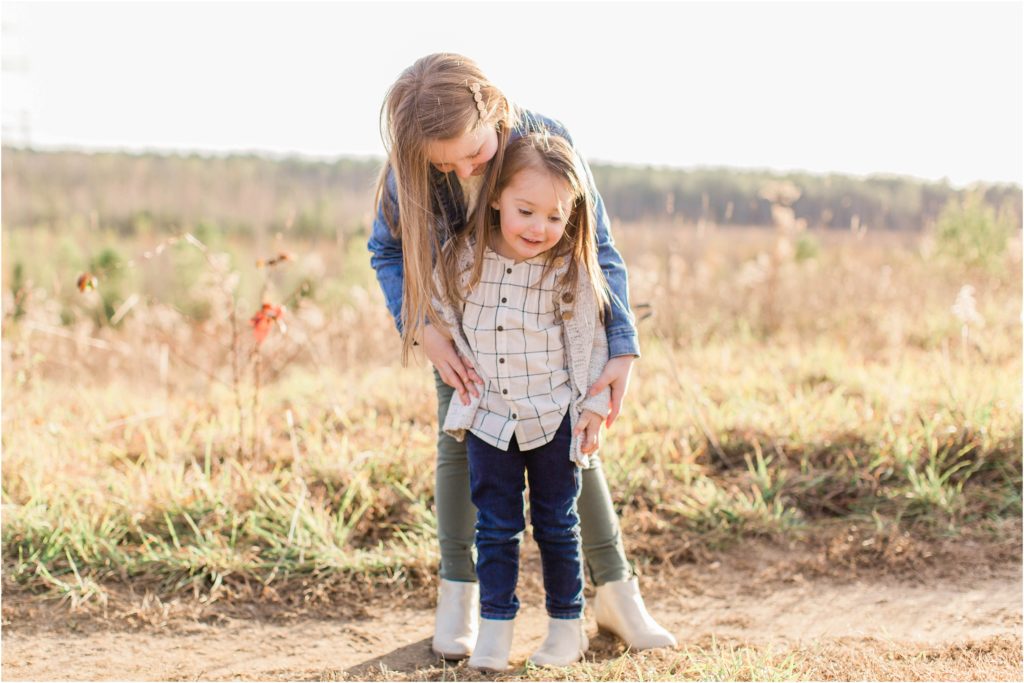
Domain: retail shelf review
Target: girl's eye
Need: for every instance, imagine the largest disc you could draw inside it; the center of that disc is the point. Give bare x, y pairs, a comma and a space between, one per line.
555, 219
525, 212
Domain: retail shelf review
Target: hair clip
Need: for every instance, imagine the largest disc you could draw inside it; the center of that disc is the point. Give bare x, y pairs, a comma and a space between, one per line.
478, 97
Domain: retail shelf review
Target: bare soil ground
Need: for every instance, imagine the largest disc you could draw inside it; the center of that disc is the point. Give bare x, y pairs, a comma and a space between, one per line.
955, 617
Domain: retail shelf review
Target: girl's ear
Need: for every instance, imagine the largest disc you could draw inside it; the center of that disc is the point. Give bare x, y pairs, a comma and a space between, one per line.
494, 205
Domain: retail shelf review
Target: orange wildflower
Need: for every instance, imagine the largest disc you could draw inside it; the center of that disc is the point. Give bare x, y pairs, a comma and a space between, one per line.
264, 320
87, 281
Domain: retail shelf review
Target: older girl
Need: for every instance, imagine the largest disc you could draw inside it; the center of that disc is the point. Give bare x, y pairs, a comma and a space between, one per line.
444, 125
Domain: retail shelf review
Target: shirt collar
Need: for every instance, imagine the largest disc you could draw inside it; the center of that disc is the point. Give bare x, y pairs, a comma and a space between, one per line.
539, 259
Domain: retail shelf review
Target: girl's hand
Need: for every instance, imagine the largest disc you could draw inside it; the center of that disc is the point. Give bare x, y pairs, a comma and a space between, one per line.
616, 375
455, 371
589, 426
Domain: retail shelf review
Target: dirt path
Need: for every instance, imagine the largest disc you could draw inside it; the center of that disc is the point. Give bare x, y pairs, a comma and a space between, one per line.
695, 604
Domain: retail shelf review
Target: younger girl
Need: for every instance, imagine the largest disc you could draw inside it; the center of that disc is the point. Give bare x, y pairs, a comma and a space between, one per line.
526, 312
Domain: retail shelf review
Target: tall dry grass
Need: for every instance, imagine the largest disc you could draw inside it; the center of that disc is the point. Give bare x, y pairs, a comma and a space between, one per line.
781, 387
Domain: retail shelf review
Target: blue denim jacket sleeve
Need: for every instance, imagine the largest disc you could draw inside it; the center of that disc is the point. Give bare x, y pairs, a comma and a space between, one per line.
386, 254
621, 326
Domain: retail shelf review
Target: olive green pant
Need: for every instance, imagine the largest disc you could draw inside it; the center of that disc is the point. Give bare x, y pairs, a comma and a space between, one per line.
456, 515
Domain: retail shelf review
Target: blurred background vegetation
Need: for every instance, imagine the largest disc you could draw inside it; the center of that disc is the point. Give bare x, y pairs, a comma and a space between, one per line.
141, 194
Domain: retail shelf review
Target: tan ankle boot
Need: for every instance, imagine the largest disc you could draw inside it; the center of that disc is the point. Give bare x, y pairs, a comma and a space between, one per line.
455, 626
620, 609
493, 645
565, 644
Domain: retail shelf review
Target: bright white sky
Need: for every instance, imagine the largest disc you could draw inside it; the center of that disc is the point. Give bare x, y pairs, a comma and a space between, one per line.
923, 89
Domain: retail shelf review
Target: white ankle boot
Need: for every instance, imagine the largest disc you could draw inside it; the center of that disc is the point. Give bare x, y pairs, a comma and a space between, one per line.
458, 611
566, 643
493, 645
619, 608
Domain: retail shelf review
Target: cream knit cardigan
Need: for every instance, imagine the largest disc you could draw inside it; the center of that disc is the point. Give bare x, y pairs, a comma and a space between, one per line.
586, 348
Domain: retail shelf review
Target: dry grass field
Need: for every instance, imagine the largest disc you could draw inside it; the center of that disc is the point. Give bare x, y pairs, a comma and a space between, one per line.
818, 465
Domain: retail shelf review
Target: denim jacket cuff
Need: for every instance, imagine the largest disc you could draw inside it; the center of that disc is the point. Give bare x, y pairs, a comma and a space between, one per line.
623, 345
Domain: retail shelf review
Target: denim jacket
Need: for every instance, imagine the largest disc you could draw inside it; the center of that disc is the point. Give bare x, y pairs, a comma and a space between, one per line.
386, 249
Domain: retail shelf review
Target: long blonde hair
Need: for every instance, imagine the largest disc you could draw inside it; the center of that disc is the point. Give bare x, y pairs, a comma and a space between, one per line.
431, 101
550, 154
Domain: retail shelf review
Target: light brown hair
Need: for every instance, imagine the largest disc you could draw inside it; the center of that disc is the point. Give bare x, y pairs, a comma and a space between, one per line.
552, 155
431, 101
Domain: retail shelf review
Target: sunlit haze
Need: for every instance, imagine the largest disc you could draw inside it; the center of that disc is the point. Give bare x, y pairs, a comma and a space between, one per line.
921, 89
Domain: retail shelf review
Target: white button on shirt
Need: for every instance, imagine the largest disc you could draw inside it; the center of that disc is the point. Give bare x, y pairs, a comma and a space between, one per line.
510, 323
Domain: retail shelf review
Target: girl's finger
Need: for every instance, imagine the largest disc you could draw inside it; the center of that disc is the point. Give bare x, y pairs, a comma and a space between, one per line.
451, 378
472, 379
617, 395
459, 369
473, 375
586, 430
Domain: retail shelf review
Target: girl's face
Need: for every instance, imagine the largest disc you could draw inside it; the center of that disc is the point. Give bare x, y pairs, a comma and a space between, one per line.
534, 208
467, 154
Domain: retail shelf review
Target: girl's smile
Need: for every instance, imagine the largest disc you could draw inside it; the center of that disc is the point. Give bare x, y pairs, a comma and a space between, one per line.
533, 208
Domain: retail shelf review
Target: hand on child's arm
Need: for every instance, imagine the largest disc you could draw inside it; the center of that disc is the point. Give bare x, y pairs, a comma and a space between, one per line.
615, 375
589, 428
455, 370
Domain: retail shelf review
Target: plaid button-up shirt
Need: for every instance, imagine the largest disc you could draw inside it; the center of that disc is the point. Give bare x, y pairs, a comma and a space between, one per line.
583, 334
510, 321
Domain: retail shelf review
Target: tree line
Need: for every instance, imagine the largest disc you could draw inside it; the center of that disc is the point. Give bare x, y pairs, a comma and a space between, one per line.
137, 193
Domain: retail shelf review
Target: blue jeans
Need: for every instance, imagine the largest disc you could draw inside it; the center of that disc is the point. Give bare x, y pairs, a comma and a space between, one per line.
497, 483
